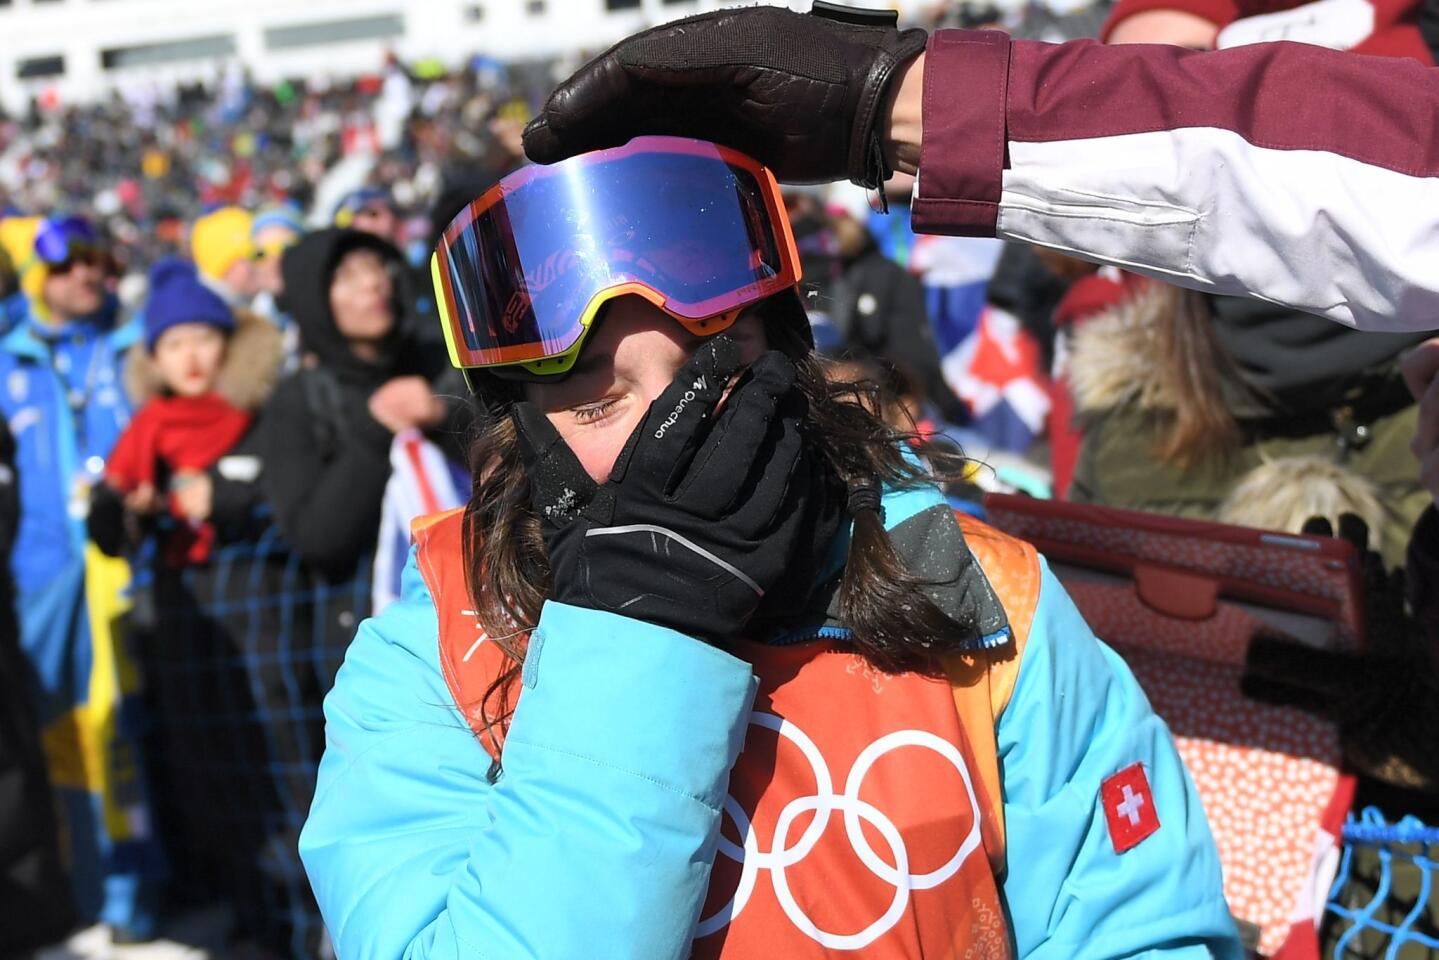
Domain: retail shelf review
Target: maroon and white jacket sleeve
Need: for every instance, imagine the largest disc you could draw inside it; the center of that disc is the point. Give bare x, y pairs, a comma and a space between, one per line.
1282, 171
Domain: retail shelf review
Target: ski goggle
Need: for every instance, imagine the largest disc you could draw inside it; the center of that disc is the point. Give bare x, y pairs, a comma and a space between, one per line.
696, 229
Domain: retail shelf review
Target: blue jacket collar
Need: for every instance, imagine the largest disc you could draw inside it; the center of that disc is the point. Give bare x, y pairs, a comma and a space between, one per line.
925, 533
28, 339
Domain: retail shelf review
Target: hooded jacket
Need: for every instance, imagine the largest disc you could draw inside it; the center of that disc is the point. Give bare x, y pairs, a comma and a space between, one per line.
1291, 463
1285, 370
1298, 365
600, 837
326, 459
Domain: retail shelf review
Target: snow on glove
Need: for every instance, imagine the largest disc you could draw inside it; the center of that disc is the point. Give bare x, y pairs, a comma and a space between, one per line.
701, 515
803, 94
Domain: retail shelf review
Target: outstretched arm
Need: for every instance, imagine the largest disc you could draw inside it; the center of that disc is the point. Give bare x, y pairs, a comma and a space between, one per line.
1280, 171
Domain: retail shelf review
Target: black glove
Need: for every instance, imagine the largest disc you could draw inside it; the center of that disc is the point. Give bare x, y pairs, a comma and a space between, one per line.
107, 524
800, 93
1382, 699
701, 517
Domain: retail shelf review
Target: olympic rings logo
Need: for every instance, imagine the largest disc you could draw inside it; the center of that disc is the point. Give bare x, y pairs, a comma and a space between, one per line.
824, 802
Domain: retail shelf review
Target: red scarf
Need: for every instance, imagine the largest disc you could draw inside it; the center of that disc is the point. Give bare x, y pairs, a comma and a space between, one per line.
186, 433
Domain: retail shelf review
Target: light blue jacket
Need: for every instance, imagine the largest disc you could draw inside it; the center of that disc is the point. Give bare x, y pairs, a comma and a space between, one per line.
61, 392
597, 841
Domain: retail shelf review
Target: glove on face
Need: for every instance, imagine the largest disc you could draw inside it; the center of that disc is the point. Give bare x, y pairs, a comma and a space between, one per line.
702, 515
800, 93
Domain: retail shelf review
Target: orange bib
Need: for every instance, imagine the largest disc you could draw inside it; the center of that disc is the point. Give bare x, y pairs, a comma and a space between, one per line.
864, 813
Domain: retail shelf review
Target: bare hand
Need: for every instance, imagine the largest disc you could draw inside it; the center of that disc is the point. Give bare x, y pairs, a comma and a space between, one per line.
1176, 27
142, 499
903, 129
1420, 367
406, 402
193, 495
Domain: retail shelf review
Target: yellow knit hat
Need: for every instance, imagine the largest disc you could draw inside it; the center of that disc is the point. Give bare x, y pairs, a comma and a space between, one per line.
219, 239
17, 236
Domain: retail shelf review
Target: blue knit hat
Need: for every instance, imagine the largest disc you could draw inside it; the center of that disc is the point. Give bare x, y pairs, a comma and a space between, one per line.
277, 215
355, 201
177, 296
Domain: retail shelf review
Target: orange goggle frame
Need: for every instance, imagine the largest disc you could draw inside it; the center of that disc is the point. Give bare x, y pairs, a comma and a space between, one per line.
696, 229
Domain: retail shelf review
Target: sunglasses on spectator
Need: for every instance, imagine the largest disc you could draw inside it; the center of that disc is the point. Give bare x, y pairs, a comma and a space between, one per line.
77, 255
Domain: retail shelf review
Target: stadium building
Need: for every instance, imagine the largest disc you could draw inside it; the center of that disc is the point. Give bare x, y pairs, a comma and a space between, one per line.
77, 50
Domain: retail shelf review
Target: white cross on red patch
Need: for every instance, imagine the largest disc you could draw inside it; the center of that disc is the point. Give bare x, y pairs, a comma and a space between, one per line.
1128, 807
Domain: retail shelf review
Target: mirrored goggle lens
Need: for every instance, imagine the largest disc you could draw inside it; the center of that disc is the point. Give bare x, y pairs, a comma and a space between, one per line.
522, 270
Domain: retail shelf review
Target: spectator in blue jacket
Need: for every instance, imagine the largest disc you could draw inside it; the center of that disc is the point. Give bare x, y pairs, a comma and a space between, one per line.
61, 393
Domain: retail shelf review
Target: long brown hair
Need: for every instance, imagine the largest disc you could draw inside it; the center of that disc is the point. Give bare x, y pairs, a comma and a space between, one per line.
1159, 354
894, 624
1202, 429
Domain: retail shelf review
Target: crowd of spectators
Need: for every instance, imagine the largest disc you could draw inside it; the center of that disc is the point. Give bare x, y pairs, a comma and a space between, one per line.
217, 319
147, 162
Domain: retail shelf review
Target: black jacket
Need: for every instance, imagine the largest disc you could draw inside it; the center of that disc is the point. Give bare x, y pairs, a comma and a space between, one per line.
326, 459
879, 308
36, 892
1294, 364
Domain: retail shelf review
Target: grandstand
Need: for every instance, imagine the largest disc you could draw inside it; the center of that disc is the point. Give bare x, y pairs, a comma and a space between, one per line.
77, 50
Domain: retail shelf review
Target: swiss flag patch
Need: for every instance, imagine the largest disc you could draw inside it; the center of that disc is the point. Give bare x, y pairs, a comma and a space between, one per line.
1129, 807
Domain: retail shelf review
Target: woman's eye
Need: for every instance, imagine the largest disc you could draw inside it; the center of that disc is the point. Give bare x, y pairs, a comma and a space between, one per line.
592, 412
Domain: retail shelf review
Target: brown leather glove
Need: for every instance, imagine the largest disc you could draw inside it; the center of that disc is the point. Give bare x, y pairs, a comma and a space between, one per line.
801, 93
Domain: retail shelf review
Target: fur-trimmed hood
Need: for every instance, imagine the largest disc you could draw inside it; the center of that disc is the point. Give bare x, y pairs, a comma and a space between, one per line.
1117, 360
1116, 357
309, 269
1273, 362
252, 363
